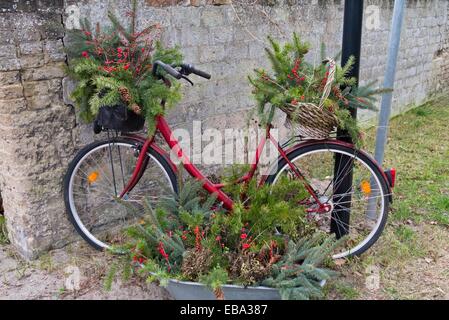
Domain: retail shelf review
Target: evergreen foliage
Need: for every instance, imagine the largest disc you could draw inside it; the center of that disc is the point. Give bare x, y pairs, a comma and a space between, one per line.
120, 57
293, 81
186, 237
267, 207
215, 279
298, 274
3, 231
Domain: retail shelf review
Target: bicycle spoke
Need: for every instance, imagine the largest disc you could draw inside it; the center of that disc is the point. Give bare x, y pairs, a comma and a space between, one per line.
318, 167
360, 200
100, 168
96, 183
94, 202
96, 191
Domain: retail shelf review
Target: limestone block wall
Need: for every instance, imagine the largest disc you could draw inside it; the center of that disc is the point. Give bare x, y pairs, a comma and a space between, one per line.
440, 65
35, 125
228, 41
39, 132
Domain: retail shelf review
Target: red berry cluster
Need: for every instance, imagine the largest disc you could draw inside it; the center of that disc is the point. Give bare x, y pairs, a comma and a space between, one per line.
246, 240
295, 102
198, 237
138, 256
139, 259
131, 55
164, 255
294, 73
337, 93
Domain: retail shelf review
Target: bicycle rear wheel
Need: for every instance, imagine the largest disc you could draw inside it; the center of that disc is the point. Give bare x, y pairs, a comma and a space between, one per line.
367, 198
93, 183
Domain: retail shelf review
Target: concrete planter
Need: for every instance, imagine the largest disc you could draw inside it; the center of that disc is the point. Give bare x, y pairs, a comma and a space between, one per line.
185, 290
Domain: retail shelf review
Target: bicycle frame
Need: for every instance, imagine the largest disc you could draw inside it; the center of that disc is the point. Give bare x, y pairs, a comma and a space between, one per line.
212, 188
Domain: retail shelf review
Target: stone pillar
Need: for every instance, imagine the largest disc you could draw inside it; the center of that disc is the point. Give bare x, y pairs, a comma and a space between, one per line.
35, 125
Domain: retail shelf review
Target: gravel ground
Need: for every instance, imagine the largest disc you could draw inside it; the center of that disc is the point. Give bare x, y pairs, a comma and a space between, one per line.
50, 277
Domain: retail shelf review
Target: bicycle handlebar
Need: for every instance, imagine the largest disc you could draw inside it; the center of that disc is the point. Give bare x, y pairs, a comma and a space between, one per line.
169, 69
189, 68
186, 69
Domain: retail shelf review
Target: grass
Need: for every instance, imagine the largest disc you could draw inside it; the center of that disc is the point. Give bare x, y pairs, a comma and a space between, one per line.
419, 148
414, 244
3, 232
46, 262
346, 291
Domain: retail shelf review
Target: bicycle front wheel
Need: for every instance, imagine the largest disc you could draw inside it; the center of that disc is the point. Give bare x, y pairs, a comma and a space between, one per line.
359, 212
94, 181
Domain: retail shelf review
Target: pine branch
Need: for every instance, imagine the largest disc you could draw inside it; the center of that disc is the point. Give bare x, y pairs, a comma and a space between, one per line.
323, 51
298, 274
125, 36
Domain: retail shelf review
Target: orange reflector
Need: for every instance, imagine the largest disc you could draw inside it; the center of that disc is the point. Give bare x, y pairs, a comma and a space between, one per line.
366, 187
93, 177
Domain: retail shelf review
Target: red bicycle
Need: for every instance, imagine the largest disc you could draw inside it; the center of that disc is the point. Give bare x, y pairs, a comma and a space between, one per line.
133, 167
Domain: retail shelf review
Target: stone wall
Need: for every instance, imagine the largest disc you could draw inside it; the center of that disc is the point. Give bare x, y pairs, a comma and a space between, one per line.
424, 35
39, 133
228, 42
440, 65
35, 125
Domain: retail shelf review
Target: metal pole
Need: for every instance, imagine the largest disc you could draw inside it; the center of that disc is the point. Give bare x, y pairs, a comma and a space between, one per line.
385, 108
352, 39
393, 50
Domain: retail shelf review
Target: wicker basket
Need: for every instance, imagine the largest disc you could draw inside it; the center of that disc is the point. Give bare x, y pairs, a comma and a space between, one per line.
311, 120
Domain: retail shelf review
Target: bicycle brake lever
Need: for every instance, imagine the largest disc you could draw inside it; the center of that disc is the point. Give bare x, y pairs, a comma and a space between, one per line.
188, 80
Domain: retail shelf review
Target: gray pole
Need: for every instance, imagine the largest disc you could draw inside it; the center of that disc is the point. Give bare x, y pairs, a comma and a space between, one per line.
385, 109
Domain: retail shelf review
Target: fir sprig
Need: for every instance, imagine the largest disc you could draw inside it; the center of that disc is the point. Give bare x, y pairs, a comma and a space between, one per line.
299, 275
185, 238
104, 61
292, 81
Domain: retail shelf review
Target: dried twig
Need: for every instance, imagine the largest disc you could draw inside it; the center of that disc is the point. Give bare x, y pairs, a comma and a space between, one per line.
246, 29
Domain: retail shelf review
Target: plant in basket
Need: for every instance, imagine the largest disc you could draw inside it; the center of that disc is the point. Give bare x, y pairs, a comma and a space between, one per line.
316, 99
265, 241
113, 69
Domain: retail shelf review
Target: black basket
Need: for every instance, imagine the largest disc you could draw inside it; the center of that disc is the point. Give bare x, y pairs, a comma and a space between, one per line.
119, 118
